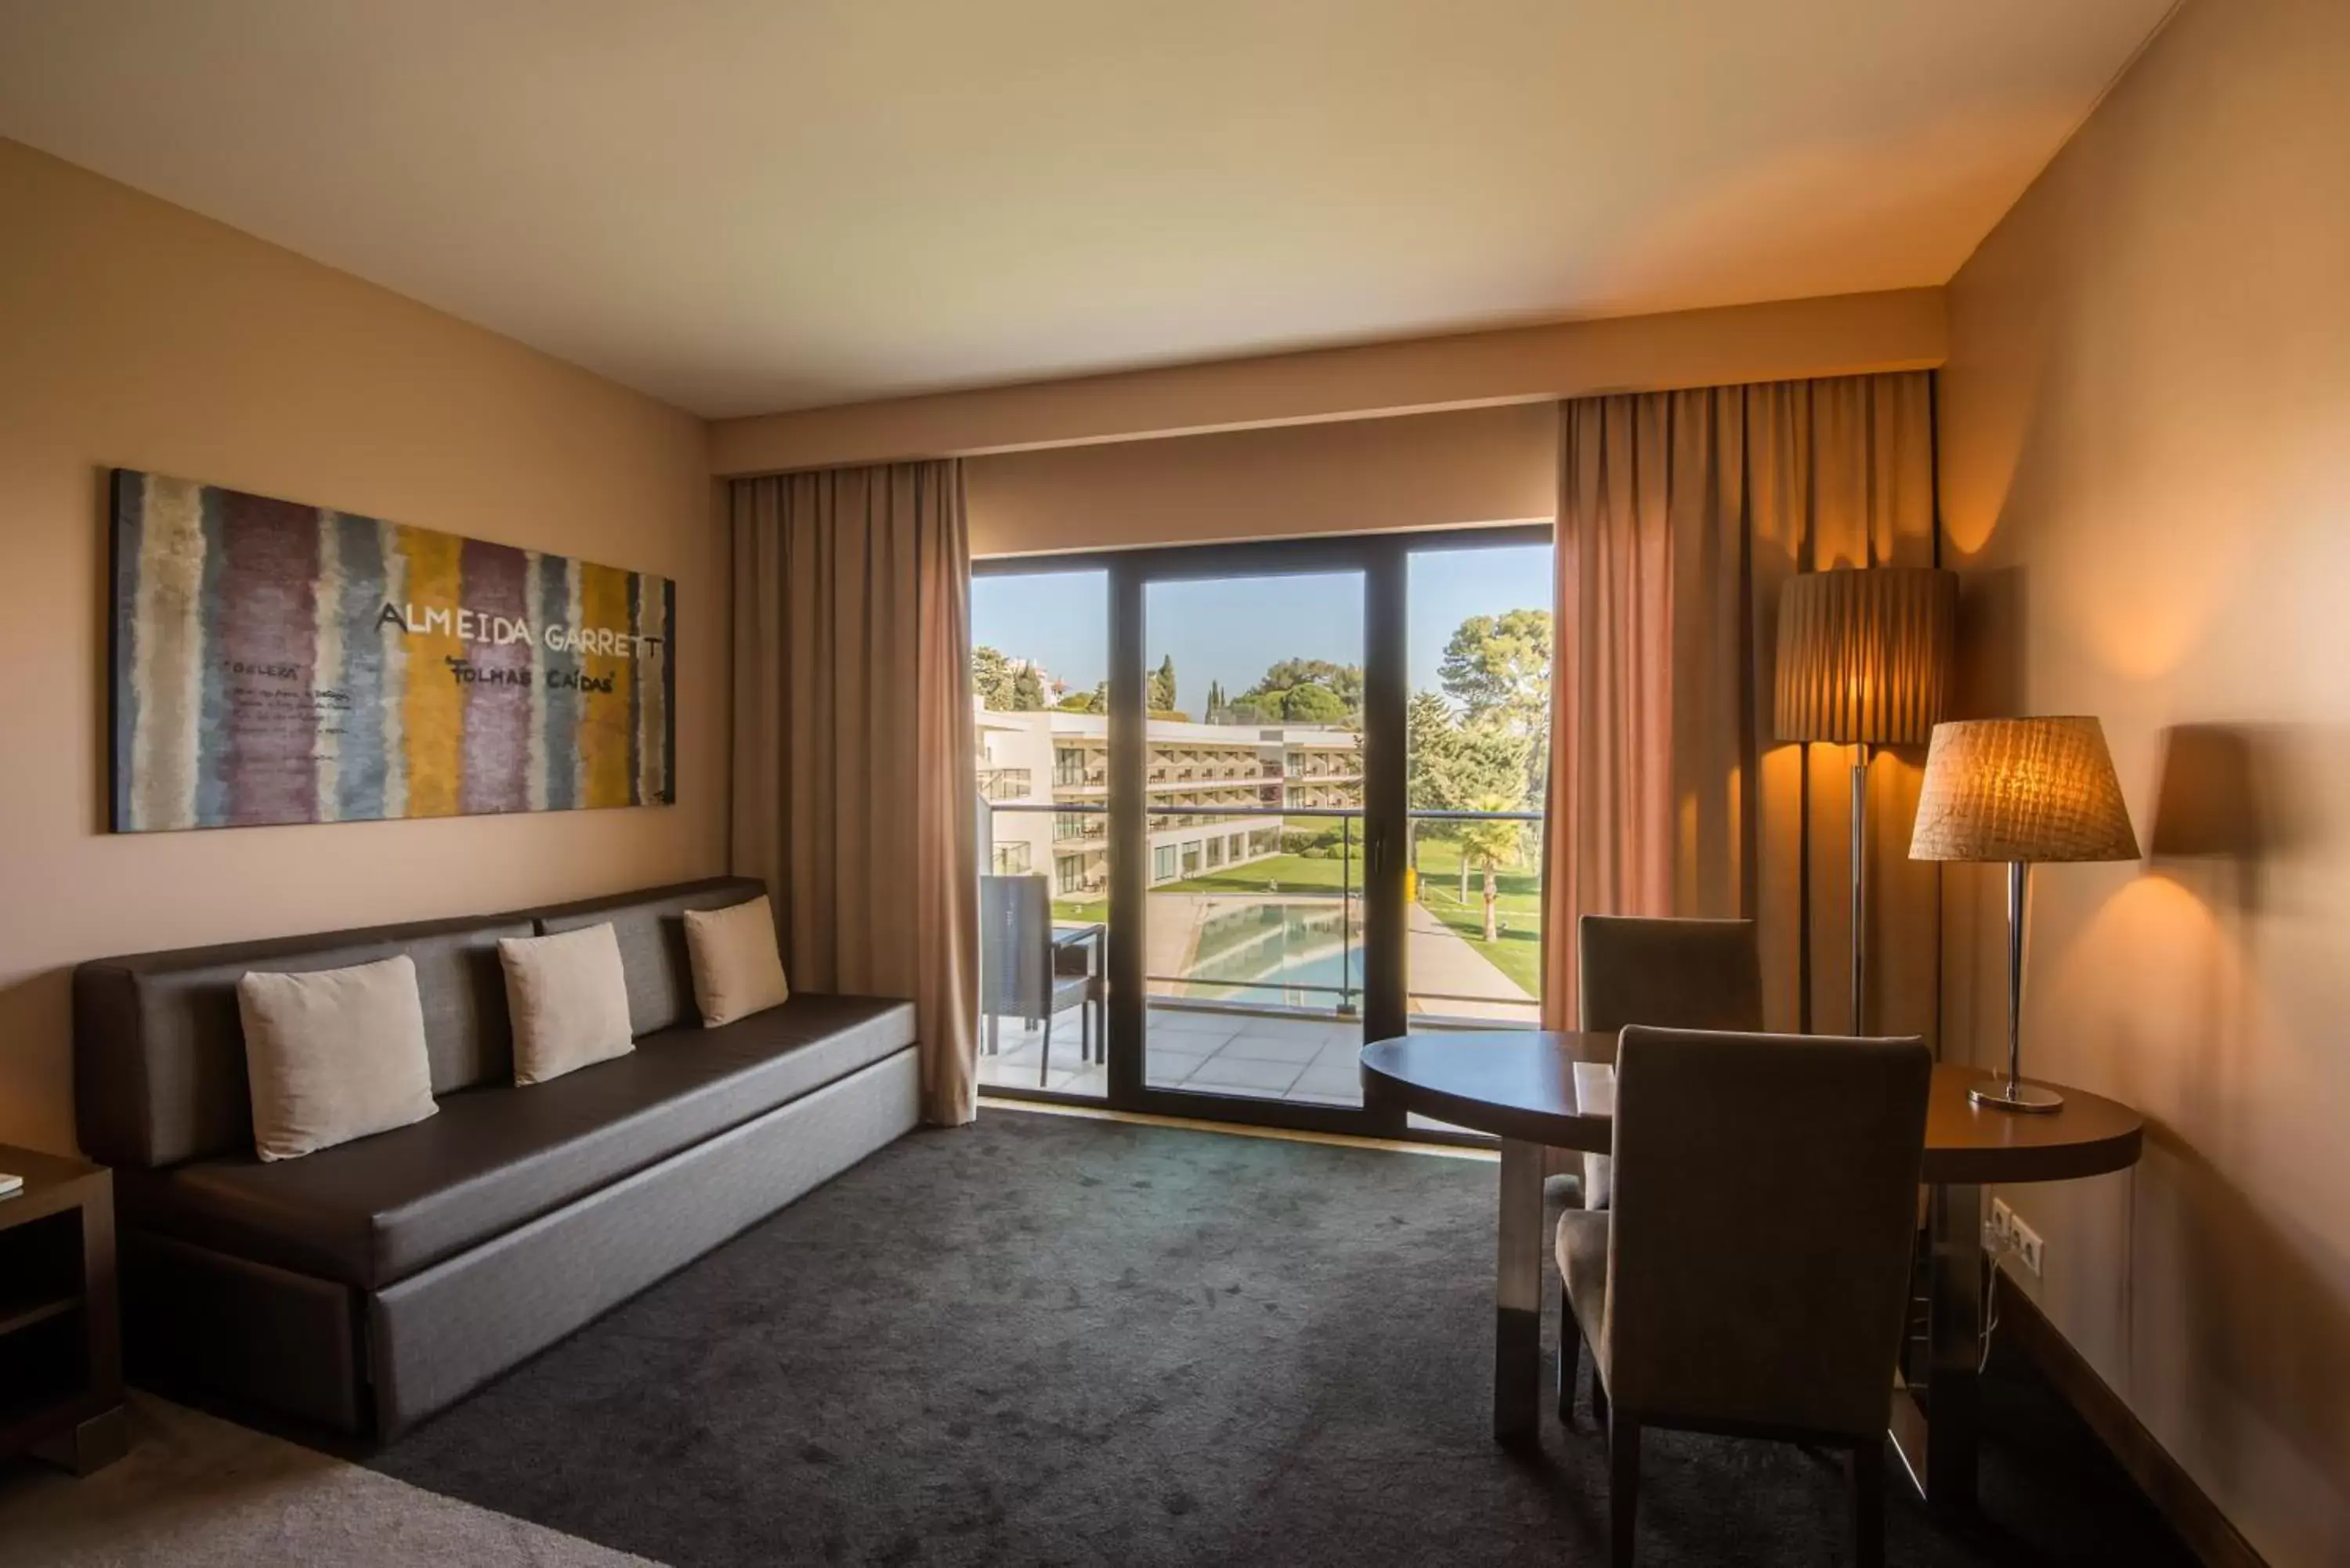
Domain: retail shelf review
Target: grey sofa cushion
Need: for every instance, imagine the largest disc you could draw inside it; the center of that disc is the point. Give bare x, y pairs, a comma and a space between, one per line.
651, 927
444, 1331
379, 1210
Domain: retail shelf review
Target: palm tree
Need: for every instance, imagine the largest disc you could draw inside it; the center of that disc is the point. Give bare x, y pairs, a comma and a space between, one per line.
1489, 846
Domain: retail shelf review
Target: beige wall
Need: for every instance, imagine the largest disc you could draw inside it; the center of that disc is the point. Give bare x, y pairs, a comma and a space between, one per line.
2146, 480
1420, 471
134, 333
1843, 335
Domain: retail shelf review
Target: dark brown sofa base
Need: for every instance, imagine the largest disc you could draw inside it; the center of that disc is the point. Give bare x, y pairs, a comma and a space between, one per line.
374, 1363
197, 1321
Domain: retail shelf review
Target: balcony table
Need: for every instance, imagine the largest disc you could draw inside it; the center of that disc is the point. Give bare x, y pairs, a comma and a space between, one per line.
1520, 1086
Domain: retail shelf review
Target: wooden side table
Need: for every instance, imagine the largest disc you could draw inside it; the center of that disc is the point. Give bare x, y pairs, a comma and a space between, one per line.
60, 1341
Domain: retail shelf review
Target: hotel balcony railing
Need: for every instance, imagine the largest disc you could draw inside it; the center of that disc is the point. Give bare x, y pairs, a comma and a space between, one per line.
1204, 781
1345, 995
1006, 784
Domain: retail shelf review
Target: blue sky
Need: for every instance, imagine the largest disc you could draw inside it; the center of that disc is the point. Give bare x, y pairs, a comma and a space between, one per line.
1232, 629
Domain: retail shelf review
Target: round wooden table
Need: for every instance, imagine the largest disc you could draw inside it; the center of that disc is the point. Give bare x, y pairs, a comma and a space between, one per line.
1520, 1086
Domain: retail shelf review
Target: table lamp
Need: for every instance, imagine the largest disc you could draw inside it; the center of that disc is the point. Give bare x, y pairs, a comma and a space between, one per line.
2021, 790
1864, 661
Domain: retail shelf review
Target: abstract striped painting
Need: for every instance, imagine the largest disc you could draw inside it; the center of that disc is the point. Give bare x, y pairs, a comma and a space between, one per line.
274, 662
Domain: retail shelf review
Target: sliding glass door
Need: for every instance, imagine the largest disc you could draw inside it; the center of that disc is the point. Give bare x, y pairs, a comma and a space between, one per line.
1254, 835
1040, 668
1283, 798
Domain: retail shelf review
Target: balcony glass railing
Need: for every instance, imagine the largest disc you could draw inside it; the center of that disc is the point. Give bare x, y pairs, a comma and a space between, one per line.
1259, 909
1006, 784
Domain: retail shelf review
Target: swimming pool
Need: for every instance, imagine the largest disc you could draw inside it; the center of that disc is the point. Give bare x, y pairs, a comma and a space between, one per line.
1301, 953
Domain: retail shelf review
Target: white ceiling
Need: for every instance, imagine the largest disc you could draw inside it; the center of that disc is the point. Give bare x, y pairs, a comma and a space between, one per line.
749, 205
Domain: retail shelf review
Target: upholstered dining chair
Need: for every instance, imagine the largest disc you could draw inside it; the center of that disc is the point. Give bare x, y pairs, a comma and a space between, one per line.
1768, 1306
1669, 973
1018, 977
1672, 974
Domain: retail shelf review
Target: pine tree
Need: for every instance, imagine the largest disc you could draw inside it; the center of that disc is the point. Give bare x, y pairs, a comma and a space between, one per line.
992, 678
1497, 668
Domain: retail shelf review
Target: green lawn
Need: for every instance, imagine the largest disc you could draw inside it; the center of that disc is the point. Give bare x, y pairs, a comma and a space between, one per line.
1518, 907
1293, 873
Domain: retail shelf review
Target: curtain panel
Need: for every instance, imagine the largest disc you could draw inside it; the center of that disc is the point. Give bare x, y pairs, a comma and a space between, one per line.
1680, 516
853, 743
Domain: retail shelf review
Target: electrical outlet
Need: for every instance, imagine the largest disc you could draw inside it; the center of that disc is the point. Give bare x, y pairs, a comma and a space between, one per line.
2002, 1223
2027, 1247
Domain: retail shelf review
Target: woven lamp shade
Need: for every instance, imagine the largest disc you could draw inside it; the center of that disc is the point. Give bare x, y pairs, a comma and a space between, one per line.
1865, 656
2022, 789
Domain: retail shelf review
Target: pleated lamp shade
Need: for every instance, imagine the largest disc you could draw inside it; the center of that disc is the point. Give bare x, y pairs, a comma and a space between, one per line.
1865, 656
2022, 789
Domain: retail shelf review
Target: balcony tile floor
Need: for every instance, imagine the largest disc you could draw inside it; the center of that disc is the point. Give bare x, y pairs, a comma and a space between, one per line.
1263, 1057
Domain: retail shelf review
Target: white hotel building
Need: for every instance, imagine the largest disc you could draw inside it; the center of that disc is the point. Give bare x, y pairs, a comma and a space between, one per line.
1062, 759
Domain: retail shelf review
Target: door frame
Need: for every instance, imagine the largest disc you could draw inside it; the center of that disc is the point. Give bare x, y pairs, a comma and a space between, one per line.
1384, 561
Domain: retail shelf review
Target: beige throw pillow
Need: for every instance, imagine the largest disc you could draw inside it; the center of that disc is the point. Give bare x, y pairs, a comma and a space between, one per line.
737, 971
333, 1055
569, 999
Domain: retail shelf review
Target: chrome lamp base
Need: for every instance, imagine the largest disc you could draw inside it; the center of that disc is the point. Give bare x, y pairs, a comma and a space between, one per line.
2010, 1093
2014, 1094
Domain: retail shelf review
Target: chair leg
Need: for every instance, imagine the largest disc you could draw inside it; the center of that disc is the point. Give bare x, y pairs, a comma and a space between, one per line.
1044, 1053
1622, 1486
1570, 1357
1869, 1505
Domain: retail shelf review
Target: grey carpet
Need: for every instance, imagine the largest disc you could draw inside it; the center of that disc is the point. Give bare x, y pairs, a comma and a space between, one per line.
1058, 1341
197, 1492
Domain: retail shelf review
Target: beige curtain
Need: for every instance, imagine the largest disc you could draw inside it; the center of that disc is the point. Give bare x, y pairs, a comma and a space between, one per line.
1679, 517
853, 743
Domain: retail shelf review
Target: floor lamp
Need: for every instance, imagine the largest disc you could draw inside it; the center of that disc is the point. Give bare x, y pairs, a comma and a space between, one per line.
2021, 790
1864, 661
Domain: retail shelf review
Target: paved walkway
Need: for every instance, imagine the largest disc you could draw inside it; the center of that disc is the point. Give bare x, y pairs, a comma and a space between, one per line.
1441, 962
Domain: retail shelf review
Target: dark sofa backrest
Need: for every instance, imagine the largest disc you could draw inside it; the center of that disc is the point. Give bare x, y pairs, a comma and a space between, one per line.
651, 927
159, 1049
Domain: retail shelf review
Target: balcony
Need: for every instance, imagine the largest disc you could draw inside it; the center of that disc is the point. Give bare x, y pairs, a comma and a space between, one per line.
1254, 965
1006, 784
1265, 1056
